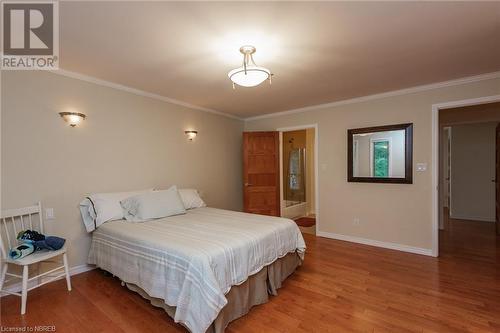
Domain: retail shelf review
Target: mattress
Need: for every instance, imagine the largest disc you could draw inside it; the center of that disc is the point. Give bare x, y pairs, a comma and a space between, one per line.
191, 261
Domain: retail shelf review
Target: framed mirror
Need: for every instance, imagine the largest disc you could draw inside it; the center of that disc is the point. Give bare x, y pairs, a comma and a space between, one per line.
382, 154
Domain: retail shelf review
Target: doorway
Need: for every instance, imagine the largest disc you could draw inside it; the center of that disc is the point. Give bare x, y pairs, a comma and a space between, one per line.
468, 194
298, 184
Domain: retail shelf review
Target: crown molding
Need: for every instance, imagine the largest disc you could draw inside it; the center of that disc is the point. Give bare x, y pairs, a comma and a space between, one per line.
94, 80
444, 84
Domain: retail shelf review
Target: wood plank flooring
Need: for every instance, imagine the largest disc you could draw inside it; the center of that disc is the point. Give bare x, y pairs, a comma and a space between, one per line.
342, 287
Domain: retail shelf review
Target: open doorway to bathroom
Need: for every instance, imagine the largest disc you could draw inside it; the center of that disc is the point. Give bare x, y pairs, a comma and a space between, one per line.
298, 177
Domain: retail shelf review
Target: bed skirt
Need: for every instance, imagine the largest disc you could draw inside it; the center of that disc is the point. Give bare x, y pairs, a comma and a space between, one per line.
254, 291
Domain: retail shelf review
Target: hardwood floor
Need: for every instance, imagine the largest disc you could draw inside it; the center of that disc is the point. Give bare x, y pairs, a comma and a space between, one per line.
342, 287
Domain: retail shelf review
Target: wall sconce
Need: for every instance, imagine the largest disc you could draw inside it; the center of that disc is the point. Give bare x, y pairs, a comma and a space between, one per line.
191, 134
72, 118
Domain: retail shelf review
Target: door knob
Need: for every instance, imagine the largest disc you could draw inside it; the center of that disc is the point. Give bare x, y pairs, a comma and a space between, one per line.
248, 184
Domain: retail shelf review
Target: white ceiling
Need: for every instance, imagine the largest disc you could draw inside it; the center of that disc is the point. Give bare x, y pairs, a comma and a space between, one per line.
319, 52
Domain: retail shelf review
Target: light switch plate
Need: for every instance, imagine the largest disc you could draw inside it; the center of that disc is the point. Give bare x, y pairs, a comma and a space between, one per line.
421, 167
49, 213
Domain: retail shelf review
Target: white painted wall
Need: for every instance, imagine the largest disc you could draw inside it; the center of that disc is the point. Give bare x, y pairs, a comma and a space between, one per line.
472, 171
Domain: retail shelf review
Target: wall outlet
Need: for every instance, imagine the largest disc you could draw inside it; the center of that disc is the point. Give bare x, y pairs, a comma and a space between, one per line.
49, 213
356, 221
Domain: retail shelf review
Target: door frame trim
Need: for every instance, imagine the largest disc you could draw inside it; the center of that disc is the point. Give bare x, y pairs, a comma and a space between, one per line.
316, 166
437, 205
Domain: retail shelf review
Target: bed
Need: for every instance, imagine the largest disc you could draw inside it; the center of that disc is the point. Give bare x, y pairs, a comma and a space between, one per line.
206, 267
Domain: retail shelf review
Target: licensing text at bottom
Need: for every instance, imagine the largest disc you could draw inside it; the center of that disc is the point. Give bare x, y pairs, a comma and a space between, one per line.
37, 328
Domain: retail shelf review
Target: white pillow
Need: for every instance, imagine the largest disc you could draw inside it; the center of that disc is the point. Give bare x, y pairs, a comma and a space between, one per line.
153, 205
99, 208
191, 198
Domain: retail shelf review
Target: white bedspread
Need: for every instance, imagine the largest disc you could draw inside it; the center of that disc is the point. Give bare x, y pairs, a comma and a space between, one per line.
192, 260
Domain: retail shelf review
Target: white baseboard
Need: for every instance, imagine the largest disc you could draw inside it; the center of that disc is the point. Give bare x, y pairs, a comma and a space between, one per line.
472, 217
16, 287
385, 245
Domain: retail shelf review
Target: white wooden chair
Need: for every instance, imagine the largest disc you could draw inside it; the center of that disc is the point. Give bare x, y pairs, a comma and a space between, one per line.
11, 222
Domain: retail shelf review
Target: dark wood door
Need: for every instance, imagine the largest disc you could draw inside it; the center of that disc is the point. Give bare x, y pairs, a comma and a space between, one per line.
497, 183
261, 185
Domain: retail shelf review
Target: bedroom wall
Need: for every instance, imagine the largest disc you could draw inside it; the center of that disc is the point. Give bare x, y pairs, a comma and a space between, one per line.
397, 215
127, 142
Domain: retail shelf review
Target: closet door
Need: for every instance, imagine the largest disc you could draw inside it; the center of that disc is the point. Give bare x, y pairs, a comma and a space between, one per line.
261, 186
497, 179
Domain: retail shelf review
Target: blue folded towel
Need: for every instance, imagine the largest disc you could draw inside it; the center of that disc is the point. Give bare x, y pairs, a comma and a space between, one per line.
50, 243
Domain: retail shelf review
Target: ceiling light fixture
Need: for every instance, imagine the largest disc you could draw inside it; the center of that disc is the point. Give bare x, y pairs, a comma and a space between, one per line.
191, 134
249, 75
72, 118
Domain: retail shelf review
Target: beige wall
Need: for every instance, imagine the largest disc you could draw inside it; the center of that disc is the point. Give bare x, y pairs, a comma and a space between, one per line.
472, 171
392, 213
127, 142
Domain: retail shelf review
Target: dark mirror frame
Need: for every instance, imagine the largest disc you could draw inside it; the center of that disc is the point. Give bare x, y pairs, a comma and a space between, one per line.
408, 179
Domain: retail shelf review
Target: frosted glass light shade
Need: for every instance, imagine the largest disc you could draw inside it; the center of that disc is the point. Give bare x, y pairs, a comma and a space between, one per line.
72, 118
253, 77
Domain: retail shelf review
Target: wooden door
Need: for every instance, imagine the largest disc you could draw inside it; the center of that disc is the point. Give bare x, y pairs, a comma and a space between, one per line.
446, 165
497, 174
261, 185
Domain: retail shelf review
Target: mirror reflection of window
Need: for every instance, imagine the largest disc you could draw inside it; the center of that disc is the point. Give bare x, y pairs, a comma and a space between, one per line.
380, 162
379, 154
